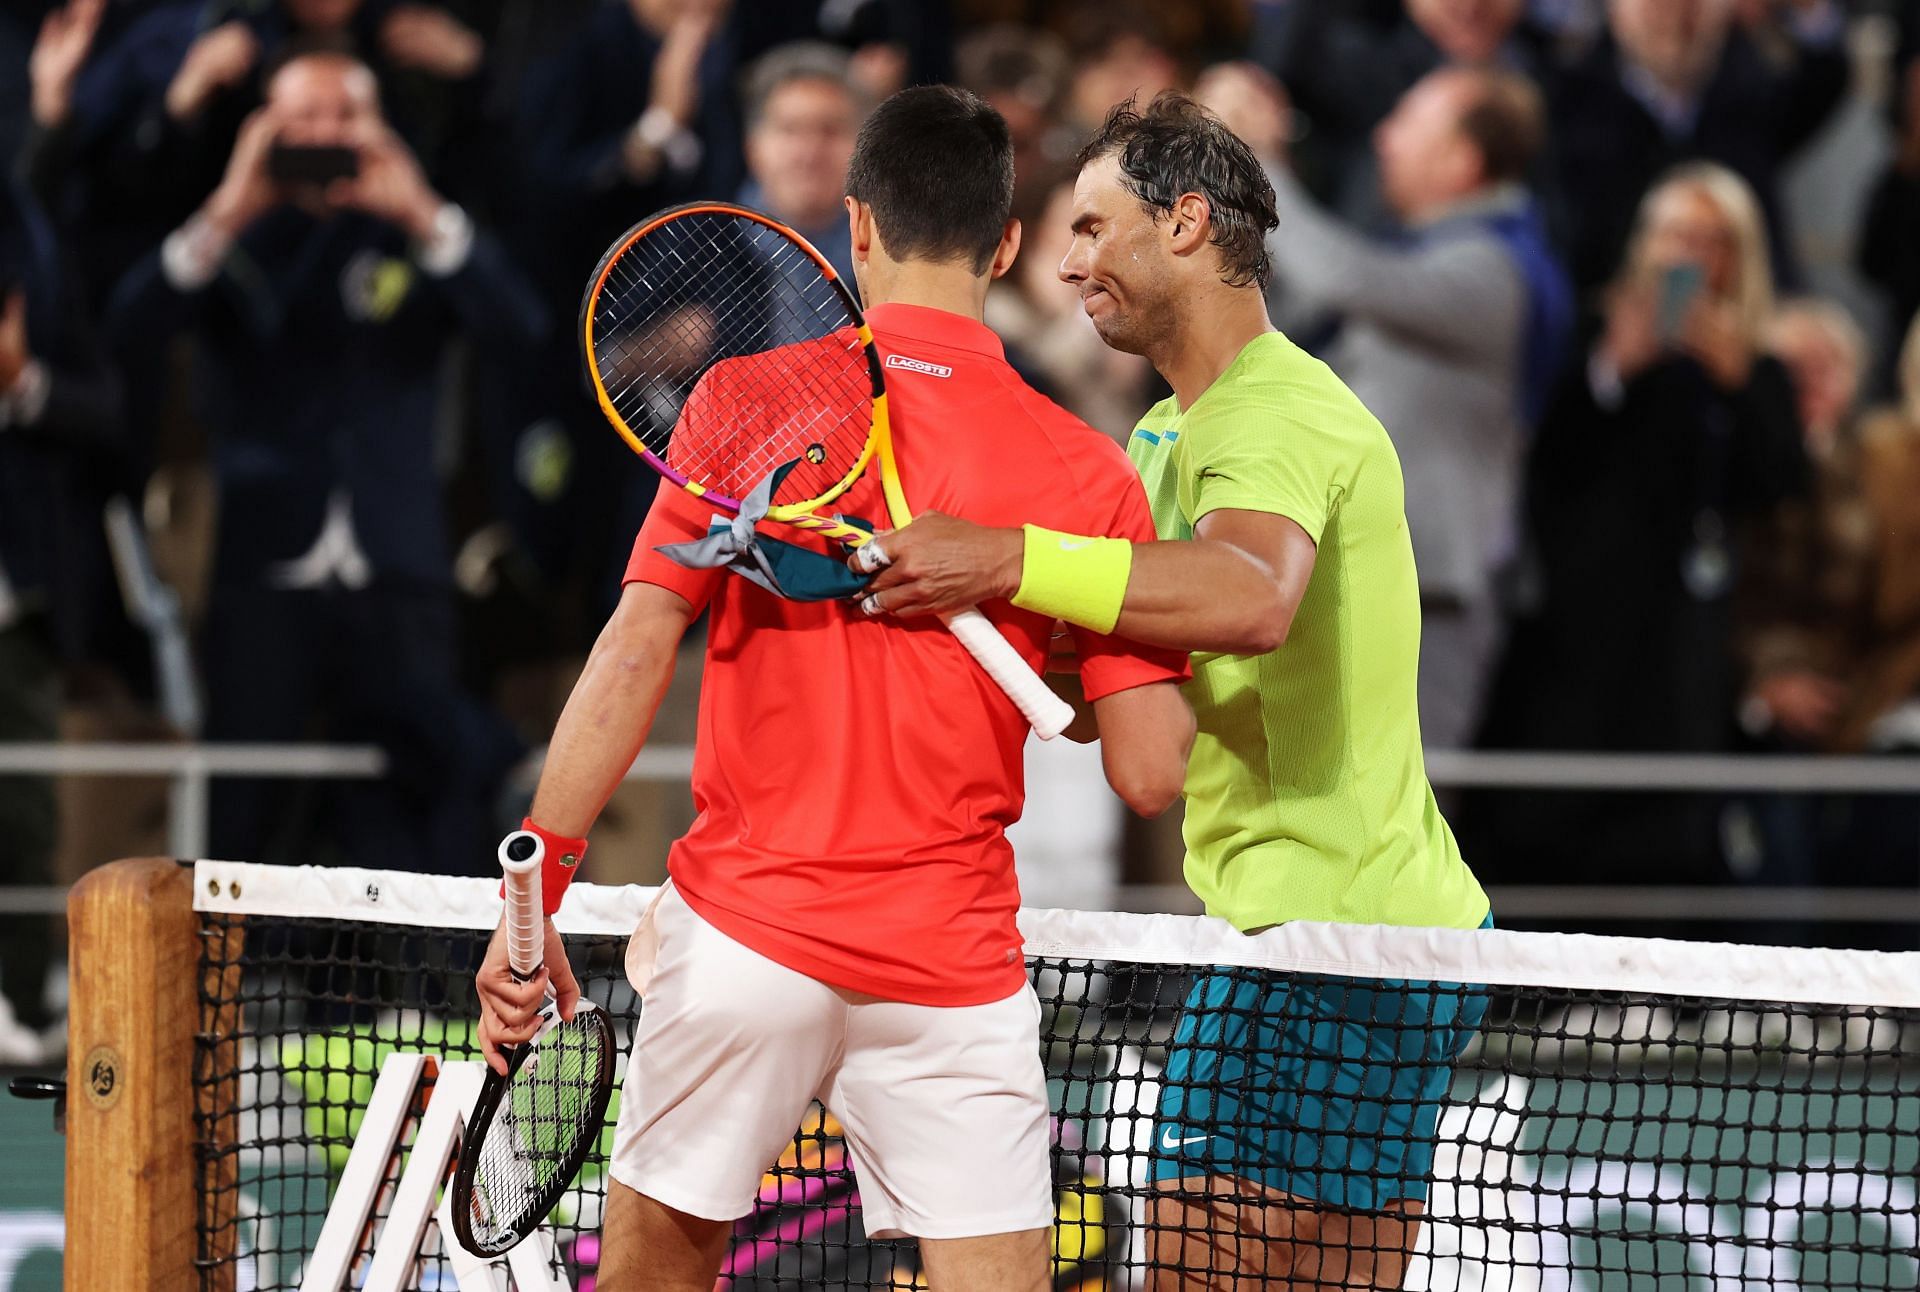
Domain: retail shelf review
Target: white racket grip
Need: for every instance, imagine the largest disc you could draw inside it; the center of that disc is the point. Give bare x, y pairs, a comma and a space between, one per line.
1044, 711
521, 856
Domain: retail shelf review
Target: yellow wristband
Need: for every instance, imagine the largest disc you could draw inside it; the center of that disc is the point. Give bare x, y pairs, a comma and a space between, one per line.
1072, 577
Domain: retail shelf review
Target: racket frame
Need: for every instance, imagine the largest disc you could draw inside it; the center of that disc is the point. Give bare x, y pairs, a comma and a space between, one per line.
526, 953
1045, 712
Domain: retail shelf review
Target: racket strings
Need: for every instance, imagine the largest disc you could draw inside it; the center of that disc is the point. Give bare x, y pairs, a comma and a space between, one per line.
781, 404
549, 1117
728, 354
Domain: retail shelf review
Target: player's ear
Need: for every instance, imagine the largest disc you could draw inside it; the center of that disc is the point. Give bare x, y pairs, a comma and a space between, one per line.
859, 227
1188, 223
1009, 249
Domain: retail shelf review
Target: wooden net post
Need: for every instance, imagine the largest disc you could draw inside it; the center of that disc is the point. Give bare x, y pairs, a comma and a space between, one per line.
131, 1197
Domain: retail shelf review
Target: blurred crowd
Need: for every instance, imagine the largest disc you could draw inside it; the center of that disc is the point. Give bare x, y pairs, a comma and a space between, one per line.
288, 375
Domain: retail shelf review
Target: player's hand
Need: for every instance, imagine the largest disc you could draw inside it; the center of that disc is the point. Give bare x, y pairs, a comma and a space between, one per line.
509, 1008
940, 564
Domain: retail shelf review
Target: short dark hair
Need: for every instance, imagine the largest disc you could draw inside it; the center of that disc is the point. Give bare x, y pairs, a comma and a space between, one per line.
1175, 147
936, 165
1506, 121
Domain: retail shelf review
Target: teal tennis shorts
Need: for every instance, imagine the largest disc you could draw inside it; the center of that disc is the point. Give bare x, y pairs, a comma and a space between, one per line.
1325, 1088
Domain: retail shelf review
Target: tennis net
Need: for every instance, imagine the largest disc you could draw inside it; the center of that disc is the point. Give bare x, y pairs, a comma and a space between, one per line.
1627, 1113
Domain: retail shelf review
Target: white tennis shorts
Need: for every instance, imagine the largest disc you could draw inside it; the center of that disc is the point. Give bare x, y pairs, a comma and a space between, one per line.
944, 1109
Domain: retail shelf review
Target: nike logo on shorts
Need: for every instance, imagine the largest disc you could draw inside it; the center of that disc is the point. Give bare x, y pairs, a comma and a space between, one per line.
1169, 1143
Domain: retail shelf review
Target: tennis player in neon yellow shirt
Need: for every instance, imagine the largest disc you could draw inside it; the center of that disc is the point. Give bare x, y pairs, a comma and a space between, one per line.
1306, 796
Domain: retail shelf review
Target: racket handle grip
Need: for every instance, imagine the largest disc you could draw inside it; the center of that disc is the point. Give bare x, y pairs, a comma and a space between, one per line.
1044, 711
521, 856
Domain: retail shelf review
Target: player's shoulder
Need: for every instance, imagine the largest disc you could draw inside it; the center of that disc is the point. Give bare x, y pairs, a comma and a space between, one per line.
1077, 442
1276, 384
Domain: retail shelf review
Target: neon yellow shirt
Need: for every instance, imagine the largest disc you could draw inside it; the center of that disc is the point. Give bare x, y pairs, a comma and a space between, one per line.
1307, 795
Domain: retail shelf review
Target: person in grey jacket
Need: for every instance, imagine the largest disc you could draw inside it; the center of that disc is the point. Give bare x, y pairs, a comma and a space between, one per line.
1452, 333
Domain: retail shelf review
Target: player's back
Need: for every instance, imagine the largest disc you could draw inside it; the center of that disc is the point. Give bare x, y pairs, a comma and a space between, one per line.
853, 777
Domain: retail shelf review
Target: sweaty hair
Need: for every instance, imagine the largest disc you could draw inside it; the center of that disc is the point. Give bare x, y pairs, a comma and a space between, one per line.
1177, 147
1506, 121
936, 165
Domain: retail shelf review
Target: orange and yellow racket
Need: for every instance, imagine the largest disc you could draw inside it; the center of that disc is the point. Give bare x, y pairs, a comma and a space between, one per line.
728, 354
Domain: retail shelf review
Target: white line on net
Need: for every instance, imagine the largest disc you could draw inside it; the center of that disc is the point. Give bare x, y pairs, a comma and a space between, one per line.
1581, 962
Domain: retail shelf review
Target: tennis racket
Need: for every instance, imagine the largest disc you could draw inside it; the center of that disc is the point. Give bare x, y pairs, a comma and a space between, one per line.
728, 353
531, 1130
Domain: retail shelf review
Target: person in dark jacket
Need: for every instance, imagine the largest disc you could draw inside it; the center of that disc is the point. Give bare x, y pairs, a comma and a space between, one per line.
60, 454
1889, 252
1673, 437
1680, 80
323, 315
1346, 66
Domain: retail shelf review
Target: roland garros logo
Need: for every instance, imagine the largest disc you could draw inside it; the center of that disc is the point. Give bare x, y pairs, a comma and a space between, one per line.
918, 365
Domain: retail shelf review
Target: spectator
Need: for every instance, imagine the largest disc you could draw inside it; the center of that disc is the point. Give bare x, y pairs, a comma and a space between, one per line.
1120, 59
1889, 248
1452, 335
1665, 446
1678, 80
1346, 70
634, 113
1022, 73
1833, 648
59, 451
323, 311
156, 111
1832, 639
892, 43
802, 114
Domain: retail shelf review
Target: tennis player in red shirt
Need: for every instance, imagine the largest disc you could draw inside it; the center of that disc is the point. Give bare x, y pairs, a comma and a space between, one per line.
840, 920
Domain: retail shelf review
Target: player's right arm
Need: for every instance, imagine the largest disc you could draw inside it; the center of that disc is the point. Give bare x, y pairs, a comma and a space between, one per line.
611, 708
1266, 481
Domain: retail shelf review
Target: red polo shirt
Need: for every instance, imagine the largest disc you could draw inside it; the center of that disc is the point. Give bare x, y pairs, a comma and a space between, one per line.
854, 777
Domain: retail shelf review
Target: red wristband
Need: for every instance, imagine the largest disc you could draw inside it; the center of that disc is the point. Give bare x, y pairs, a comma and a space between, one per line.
562, 856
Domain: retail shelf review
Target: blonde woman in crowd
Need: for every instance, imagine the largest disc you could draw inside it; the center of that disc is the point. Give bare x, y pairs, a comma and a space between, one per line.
1674, 436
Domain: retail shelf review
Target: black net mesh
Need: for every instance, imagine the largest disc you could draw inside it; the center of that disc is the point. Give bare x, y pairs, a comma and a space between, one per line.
1560, 1140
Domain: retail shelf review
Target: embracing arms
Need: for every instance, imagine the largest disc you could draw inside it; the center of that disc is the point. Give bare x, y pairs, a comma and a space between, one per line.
1233, 588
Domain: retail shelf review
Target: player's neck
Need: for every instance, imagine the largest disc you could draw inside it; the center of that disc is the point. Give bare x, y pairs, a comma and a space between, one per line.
953, 288
1214, 329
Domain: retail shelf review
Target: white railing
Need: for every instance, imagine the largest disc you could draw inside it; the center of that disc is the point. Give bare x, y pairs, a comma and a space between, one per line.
191, 769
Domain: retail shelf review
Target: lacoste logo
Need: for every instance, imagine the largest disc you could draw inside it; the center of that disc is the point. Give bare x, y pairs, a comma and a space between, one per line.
918, 365
1169, 1143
